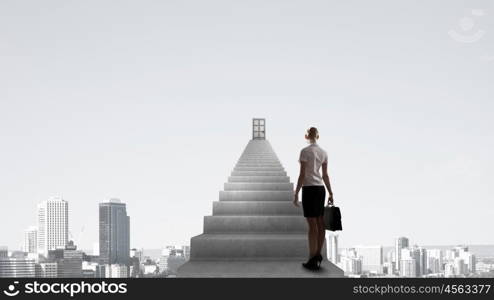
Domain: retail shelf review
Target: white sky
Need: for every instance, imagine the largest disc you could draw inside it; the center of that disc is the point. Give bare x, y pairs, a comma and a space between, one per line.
151, 102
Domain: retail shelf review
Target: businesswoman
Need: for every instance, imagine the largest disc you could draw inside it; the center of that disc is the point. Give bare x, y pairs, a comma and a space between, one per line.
312, 159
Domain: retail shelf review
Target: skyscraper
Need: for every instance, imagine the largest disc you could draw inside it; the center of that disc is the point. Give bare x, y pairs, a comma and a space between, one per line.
422, 261
114, 233
408, 267
434, 261
334, 248
53, 225
420, 256
400, 243
468, 258
31, 240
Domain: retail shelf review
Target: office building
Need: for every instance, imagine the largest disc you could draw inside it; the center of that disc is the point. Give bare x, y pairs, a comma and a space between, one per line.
420, 257
165, 253
350, 265
47, 270
11, 267
31, 240
4, 252
460, 268
408, 267
333, 247
114, 233
434, 261
449, 270
400, 243
116, 271
174, 261
434, 265
186, 251
69, 261
53, 225
468, 258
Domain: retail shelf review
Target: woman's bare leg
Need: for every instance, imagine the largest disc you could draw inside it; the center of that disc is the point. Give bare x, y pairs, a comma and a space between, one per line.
312, 233
321, 232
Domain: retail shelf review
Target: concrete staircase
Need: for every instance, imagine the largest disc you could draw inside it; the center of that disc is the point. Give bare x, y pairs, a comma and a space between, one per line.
255, 230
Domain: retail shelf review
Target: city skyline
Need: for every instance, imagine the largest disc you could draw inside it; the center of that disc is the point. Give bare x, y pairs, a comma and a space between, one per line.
143, 101
27, 233
31, 233
54, 254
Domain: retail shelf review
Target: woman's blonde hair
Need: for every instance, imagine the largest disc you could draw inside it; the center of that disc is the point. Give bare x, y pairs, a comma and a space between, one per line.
312, 133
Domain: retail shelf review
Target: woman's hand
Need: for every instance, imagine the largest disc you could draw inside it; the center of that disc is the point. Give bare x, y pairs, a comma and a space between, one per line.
295, 199
330, 199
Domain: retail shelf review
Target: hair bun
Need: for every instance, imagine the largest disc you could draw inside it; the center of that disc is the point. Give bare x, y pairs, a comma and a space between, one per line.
312, 133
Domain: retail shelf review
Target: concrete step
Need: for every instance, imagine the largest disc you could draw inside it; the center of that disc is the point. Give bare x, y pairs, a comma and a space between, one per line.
256, 196
260, 168
262, 157
255, 224
250, 208
276, 268
249, 246
258, 173
257, 163
245, 157
258, 159
258, 179
258, 186
258, 151
274, 157
272, 165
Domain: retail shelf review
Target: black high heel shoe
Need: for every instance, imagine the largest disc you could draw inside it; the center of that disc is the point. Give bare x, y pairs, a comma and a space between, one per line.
312, 264
319, 260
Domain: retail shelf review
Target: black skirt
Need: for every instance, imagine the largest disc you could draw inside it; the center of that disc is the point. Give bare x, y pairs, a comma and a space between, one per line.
313, 200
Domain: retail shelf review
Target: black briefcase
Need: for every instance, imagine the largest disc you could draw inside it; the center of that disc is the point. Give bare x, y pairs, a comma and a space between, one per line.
332, 218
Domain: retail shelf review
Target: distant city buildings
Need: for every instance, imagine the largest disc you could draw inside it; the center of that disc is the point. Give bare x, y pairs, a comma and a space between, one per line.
400, 243
47, 253
31, 240
47, 270
17, 267
149, 268
408, 267
53, 225
4, 252
434, 261
68, 260
372, 258
172, 258
350, 262
116, 271
413, 261
460, 262
114, 233
333, 248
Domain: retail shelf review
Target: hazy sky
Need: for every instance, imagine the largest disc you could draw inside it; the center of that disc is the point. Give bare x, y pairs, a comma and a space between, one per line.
151, 102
